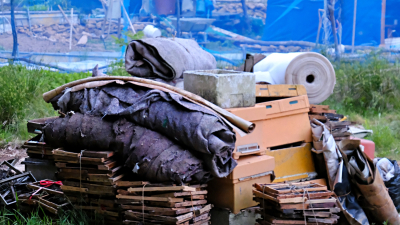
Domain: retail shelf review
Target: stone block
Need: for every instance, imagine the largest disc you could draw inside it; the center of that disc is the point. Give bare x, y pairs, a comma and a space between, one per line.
224, 88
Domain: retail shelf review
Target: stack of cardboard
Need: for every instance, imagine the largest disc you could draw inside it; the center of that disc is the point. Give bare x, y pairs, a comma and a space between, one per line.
296, 203
163, 204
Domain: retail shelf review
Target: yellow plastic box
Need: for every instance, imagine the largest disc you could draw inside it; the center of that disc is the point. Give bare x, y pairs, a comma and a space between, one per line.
293, 163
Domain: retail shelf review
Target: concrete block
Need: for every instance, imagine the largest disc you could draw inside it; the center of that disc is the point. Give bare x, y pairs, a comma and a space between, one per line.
223, 216
225, 88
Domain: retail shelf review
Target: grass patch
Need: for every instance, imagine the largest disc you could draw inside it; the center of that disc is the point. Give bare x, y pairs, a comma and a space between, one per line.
368, 92
21, 97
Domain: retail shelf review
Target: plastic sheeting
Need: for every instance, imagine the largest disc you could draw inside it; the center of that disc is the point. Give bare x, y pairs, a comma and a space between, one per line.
187, 123
298, 21
150, 154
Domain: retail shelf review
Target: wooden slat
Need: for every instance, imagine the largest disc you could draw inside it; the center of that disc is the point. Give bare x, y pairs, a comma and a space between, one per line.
179, 204
179, 194
147, 198
98, 154
130, 183
170, 188
75, 189
166, 219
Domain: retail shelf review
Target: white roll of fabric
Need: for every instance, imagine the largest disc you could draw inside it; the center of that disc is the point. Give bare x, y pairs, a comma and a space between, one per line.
310, 69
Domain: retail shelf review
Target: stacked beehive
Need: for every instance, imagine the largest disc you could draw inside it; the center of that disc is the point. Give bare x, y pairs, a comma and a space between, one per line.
295, 203
163, 203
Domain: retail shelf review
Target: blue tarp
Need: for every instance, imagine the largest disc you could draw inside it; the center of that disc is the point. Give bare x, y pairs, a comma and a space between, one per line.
297, 20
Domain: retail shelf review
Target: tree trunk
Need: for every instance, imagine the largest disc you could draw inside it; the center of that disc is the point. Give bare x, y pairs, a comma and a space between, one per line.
14, 32
331, 8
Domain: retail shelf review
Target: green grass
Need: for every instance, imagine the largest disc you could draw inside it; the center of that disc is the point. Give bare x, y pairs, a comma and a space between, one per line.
21, 98
368, 92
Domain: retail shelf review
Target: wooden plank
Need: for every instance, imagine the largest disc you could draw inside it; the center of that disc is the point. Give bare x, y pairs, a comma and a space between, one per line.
39, 152
315, 201
130, 183
200, 218
179, 194
162, 211
147, 198
195, 197
48, 208
170, 188
48, 190
75, 189
264, 196
204, 209
98, 154
169, 220
318, 214
178, 205
81, 160
59, 152
108, 165
107, 213
103, 178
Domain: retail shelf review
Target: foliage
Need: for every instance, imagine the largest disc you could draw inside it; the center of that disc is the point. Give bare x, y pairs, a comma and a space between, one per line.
21, 92
38, 8
122, 42
368, 92
371, 86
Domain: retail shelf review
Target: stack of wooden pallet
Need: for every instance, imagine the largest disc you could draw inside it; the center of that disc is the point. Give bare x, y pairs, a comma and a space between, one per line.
335, 122
89, 181
38, 149
163, 204
295, 203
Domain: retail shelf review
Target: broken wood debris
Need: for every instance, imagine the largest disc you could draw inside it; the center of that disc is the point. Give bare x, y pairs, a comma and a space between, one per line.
335, 122
295, 203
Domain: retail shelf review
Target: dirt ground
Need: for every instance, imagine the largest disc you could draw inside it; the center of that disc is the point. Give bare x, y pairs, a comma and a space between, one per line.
13, 151
32, 44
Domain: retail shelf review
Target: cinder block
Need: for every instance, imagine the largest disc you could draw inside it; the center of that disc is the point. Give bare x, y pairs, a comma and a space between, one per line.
225, 88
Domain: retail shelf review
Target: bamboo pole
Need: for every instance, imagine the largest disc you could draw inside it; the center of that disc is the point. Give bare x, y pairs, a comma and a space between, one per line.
127, 17
354, 26
70, 32
383, 23
14, 32
66, 18
110, 9
331, 8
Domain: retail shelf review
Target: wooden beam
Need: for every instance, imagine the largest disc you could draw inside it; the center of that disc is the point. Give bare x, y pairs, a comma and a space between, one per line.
66, 18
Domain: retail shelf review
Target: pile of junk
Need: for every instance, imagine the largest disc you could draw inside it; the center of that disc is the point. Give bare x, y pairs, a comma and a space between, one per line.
182, 142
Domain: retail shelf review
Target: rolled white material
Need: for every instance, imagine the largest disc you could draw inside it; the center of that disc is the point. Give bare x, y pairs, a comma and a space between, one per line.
151, 32
310, 69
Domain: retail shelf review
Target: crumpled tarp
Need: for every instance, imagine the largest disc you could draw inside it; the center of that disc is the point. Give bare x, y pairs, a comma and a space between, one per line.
166, 58
338, 176
150, 154
187, 123
390, 172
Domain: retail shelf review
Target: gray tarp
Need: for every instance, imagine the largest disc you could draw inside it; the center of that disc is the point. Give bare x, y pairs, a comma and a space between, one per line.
189, 124
166, 58
150, 154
